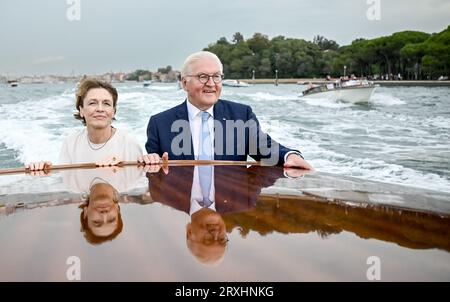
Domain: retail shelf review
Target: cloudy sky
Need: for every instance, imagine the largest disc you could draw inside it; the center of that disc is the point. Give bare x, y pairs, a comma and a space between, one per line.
38, 37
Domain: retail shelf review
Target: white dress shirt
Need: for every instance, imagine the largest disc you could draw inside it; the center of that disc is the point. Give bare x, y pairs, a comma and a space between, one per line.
195, 122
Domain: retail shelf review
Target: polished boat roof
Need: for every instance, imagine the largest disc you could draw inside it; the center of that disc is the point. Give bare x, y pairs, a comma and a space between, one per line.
281, 225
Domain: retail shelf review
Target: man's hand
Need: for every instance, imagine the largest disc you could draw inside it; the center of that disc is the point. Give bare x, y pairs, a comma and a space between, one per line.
295, 173
153, 162
153, 158
296, 161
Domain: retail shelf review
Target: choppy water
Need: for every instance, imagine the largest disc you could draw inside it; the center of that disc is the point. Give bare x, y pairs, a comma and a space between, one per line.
401, 137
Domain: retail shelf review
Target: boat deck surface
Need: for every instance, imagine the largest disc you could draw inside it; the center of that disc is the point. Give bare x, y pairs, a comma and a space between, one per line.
305, 227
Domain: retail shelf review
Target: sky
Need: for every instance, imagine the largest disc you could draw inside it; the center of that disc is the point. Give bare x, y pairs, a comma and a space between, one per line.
55, 37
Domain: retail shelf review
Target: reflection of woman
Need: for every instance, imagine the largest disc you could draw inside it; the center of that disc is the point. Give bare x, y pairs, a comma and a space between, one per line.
100, 219
99, 141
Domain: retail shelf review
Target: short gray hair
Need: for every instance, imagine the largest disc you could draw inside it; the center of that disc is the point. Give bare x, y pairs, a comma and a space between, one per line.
196, 57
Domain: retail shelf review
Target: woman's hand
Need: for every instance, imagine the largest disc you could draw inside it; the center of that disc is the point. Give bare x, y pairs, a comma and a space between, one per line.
153, 163
109, 161
40, 168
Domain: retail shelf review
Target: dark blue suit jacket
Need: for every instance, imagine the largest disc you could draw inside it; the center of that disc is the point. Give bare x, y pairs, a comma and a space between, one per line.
234, 147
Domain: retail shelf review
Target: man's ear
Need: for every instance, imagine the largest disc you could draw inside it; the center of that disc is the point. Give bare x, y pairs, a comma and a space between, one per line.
85, 212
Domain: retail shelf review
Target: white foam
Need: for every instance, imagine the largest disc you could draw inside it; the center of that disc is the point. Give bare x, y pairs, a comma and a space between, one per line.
325, 102
385, 99
371, 169
260, 96
25, 127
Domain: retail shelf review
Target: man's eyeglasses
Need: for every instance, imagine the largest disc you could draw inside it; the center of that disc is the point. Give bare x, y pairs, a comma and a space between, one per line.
209, 239
204, 78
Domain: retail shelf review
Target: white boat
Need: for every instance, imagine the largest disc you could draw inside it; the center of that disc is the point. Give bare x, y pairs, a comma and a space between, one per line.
13, 83
234, 83
147, 83
353, 91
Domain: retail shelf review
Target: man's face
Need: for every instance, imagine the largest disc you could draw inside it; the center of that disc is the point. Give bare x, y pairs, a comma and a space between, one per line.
208, 228
203, 96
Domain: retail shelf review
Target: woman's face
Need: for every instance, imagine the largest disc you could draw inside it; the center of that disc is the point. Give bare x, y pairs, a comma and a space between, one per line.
102, 211
98, 108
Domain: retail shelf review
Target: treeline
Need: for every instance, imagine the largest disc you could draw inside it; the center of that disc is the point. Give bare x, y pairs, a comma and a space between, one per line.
411, 54
163, 74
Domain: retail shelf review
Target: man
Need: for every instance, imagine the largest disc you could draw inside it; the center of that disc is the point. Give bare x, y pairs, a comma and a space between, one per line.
208, 123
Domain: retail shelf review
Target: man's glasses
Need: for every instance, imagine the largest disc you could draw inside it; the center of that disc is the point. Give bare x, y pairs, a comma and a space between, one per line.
209, 239
204, 78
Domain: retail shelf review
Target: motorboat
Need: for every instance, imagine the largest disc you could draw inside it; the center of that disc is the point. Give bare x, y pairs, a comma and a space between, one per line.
147, 83
13, 83
235, 83
352, 91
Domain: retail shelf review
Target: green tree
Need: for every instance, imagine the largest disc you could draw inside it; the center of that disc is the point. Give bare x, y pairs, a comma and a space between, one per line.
237, 37
410, 53
325, 44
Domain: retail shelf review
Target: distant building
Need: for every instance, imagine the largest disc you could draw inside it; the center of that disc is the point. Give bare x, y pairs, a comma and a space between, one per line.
145, 77
119, 77
170, 77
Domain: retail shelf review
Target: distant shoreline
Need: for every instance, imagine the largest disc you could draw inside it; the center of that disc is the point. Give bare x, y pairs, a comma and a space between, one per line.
301, 81
320, 81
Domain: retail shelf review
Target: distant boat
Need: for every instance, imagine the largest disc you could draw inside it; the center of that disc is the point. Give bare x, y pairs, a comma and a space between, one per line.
234, 83
353, 91
147, 83
13, 83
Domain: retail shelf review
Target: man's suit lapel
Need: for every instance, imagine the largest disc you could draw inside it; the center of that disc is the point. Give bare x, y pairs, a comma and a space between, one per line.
182, 114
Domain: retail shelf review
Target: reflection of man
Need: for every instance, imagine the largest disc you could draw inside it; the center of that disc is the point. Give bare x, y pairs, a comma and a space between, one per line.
206, 236
203, 117
231, 189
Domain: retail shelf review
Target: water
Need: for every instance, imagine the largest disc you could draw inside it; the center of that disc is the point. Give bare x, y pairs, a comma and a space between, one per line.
401, 137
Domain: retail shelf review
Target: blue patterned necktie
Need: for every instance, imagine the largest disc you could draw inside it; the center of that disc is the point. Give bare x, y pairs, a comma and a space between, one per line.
205, 153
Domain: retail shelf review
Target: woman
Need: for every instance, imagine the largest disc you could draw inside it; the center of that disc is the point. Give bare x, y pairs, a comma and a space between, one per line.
99, 141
